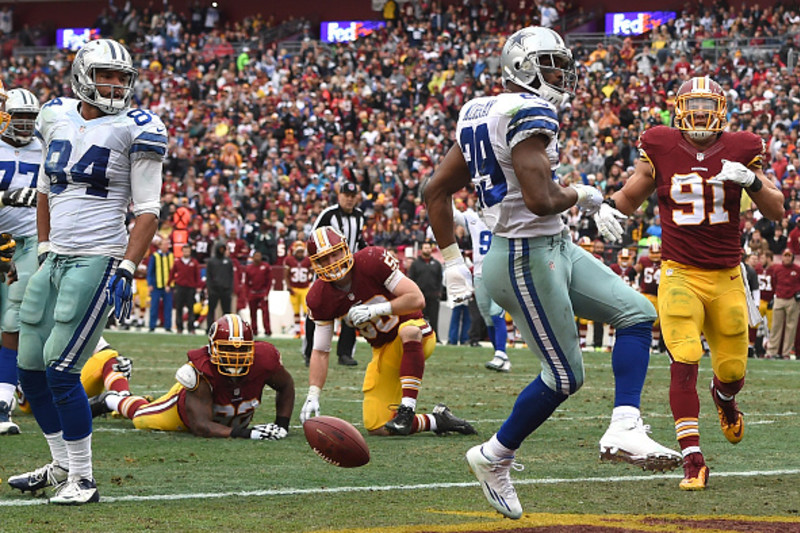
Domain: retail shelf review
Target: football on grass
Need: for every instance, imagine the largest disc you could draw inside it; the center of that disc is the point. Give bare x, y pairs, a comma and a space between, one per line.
337, 441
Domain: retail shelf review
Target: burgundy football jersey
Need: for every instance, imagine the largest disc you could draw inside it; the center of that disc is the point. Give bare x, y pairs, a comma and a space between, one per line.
372, 268
628, 274
234, 399
699, 221
766, 282
650, 275
300, 273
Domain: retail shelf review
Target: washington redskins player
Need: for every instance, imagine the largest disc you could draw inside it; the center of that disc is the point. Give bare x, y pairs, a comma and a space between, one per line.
699, 171
217, 390
368, 290
297, 278
624, 266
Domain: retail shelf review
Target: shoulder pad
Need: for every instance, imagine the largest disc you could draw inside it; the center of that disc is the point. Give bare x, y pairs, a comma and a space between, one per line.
187, 376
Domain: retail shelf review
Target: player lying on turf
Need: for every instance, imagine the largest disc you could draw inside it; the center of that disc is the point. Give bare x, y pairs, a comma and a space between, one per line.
217, 390
368, 290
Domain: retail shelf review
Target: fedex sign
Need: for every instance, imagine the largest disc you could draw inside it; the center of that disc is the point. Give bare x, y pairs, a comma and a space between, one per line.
336, 32
636, 22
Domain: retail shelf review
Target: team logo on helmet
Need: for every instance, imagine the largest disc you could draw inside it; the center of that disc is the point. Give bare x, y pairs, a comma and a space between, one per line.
231, 342
329, 254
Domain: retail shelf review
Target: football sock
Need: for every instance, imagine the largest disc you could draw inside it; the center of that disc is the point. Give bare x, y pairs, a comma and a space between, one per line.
71, 402
493, 449
623, 412
37, 393
500, 336
534, 405
58, 448
629, 361
685, 405
80, 458
7, 392
113, 380
412, 366
127, 406
8, 374
423, 423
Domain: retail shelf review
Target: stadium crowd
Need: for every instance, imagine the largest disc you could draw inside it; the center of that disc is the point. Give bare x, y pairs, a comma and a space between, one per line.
262, 131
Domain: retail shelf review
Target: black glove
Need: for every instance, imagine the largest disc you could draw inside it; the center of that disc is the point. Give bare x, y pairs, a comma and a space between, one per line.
7, 249
797, 297
24, 197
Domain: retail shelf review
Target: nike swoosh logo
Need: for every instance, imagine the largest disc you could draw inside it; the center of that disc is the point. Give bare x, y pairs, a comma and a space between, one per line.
159, 129
734, 277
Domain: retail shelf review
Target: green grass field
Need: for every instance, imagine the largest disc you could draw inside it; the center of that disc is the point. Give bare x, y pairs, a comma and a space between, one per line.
177, 482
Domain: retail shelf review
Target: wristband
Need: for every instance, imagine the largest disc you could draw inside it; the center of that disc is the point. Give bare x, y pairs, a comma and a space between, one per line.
240, 432
451, 253
127, 265
756, 185
43, 248
282, 421
610, 201
314, 391
383, 308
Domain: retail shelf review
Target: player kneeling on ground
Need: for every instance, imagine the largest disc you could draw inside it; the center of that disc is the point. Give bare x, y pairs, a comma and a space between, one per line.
368, 290
217, 391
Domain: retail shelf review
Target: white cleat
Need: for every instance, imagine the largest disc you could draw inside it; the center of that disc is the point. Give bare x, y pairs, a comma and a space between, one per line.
627, 440
76, 493
495, 481
499, 363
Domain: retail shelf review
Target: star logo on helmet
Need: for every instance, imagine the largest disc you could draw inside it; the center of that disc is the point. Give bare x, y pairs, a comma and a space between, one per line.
516, 39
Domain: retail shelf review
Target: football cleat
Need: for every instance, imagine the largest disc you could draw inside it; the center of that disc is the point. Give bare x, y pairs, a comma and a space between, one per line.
695, 472
76, 493
495, 480
402, 422
447, 422
627, 440
7, 426
734, 431
98, 403
50, 475
499, 363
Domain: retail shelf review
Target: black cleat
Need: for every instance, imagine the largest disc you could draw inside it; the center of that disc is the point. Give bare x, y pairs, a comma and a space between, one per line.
347, 360
98, 403
447, 422
402, 422
50, 475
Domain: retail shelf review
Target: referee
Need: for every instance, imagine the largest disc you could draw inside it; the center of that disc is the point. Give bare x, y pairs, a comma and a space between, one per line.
349, 220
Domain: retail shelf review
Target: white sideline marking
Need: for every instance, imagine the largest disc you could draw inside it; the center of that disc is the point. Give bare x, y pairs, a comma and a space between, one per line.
386, 488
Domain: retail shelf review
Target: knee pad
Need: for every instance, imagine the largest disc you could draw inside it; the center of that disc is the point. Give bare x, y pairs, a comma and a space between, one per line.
731, 370
66, 387
33, 384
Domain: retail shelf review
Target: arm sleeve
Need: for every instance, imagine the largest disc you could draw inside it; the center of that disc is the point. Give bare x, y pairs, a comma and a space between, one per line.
146, 186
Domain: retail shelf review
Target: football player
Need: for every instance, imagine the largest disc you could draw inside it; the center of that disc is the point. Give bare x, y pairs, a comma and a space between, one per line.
99, 157
368, 290
297, 279
508, 146
649, 269
492, 314
20, 157
624, 266
217, 390
699, 171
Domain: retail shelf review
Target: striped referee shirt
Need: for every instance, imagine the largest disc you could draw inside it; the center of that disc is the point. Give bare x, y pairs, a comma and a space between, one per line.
350, 225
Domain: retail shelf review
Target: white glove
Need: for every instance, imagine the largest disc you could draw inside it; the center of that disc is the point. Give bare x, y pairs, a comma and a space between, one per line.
734, 172
458, 281
311, 407
608, 223
123, 365
359, 314
589, 198
268, 432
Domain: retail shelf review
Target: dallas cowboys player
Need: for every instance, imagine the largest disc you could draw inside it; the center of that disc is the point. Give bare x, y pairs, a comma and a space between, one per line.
20, 157
492, 314
507, 144
100, 154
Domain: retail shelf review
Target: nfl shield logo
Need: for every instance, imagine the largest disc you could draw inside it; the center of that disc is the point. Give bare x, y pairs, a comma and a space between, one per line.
700, 156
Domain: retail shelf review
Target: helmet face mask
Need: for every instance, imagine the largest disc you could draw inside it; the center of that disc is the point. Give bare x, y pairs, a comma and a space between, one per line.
231, 345
701, 108
538, 60
329, 254
98, 57
23, 108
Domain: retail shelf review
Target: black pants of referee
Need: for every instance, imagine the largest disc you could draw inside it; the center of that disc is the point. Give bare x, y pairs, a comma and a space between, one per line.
345, 348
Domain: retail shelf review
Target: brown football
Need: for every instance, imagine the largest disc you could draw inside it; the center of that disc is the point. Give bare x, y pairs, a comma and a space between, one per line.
337, 441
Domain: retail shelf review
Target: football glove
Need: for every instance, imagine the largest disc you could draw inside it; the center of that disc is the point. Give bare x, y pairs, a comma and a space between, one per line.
24, 197
42, 250
608, 224
268, 432
119, 292
359, 314
11, 276
458, 281
311, 406
7, 249
735, 173
123, 365
589, 198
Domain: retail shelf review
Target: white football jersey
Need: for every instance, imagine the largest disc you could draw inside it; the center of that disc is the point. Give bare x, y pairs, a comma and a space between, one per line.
488, 128
87, 174
19, 167
479, 232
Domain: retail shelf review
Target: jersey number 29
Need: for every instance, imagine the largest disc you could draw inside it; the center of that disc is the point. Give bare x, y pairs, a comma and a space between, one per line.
486, 173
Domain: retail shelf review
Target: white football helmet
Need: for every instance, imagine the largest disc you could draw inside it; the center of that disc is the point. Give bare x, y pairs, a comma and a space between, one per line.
531, 55
23, 107
103, 54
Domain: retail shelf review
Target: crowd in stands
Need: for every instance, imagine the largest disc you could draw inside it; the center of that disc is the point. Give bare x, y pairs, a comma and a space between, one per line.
261, 131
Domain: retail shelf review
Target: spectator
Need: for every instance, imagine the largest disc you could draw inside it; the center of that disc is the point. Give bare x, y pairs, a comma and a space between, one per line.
159, 281
786, 276
187, 279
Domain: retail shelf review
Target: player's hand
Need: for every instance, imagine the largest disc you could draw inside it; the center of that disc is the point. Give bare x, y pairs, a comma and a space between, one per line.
24, 197
268, 432
7, 249
119, 291
11, 277
608, 224
42, 250
458, 281
310, 408
359, 314
734, 172
589, 198
124, 366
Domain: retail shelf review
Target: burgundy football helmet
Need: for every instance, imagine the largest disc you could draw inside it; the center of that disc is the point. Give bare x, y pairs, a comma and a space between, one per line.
329, 254
231, 343
701, 109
